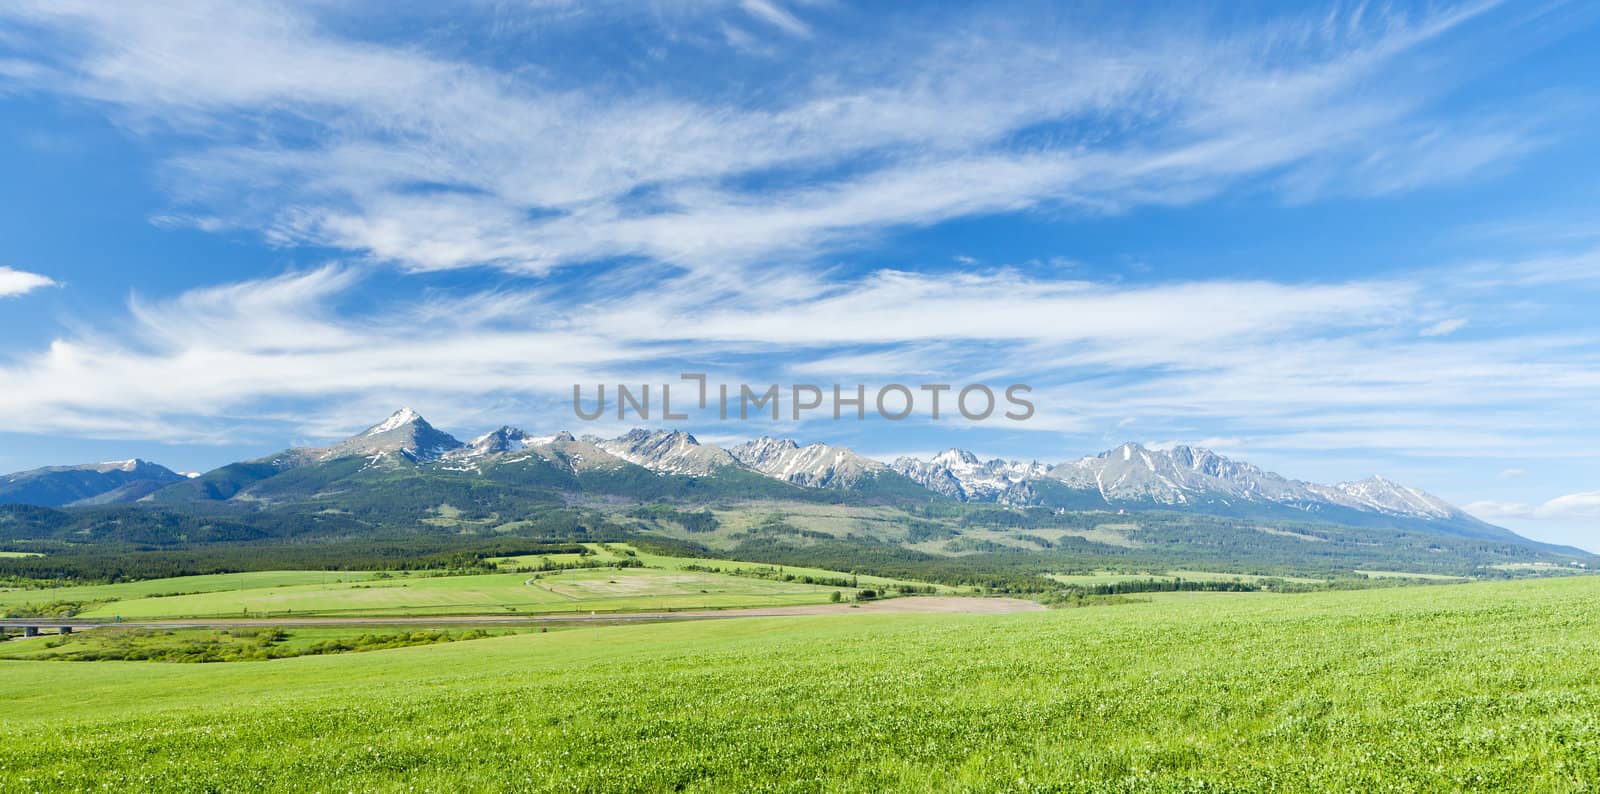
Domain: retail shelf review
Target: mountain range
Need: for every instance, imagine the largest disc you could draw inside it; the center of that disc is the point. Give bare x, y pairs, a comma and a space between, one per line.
1131, 476
1128, 477
87, 484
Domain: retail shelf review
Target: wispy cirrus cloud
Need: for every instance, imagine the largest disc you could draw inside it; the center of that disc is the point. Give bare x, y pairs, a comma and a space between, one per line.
1568, 266
776, 15
215, 351
1271, 365
432, 162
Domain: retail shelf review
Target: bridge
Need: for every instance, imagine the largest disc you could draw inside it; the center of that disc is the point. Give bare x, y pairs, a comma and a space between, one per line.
32, 628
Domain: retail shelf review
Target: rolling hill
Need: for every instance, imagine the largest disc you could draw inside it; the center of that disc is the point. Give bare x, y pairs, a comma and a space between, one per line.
87, 484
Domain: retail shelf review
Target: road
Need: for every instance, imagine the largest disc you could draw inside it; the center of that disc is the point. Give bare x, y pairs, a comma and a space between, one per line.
965, 605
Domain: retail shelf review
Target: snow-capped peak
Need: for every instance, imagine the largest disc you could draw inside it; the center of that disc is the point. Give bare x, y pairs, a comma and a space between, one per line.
503, 439
1386, 496
955, 459
398, 419
671, 451
962, 475
765, 445
405, 432
1180, 475
813, 465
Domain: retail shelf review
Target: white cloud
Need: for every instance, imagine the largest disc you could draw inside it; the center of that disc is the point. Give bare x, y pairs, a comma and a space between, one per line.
1585, 505
219, 351
527, 175
20, 282
1444, 327
214, 353
899, 307
1496, 511
1267, 366
721, 201
1582, 506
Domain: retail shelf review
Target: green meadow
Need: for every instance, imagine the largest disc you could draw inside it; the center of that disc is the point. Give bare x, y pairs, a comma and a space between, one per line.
1427, 577
610, 551
664, 583
1119, 577
157, 588
1491, 685
241, 643
313, 594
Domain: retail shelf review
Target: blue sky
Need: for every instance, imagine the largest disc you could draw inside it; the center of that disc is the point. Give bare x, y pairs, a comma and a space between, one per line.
1333, 240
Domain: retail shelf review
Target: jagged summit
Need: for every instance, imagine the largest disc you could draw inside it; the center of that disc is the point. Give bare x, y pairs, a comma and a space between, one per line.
813, 465
953, 457
1384, 495
962, 475
502, 439
671, 451
1133, 475
768, 444
400, 418
405, 433
1181, 475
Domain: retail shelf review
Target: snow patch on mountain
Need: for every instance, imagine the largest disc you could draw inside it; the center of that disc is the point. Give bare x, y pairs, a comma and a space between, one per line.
960, 474
813, 465
399, 418
1178, 476
404, 433
1381, 495
1127, 475
504, 439
668, 451
1182, 476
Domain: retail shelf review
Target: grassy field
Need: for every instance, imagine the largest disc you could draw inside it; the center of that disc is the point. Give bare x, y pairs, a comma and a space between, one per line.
683, 563
255, 643
884, 523
1222, 576
533, 560
1114, 577
313, 593
1103, 577
1481, 686
213, 583
1427, 577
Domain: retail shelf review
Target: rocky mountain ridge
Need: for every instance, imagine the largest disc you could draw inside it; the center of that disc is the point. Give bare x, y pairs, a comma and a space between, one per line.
1127, 476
